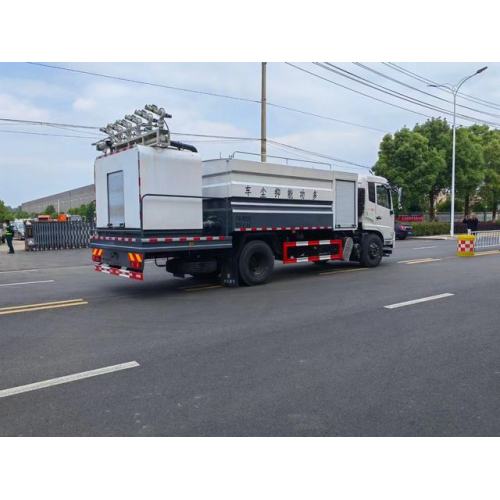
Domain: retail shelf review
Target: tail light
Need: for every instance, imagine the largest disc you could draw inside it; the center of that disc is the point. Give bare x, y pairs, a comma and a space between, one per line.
97, 254
135, 260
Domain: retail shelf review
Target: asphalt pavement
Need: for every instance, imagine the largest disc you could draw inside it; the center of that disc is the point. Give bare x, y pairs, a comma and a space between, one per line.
315, 352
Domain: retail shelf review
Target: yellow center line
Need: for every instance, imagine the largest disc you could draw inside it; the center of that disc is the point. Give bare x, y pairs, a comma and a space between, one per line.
346, 270
42, 306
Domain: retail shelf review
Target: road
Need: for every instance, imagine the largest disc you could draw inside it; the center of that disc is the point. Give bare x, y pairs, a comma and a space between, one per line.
316, 352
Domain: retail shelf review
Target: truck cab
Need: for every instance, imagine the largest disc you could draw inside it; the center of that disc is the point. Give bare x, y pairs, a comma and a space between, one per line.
376, 211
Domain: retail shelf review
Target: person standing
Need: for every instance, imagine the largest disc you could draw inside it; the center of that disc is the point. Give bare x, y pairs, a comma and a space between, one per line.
473, 222
466, 221
9, 235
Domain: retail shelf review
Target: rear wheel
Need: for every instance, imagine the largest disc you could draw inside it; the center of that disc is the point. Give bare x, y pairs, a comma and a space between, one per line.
371, 250
256, 263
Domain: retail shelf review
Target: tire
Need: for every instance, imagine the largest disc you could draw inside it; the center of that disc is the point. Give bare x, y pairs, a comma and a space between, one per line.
371, 250
256, 263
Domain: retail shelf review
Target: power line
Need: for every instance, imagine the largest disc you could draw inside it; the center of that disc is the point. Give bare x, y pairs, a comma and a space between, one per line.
44, 134
394, 93
48, 124
319, 155
142, 82
295, 110
383, 75
223, 138
212, 94
356, 91
427, 81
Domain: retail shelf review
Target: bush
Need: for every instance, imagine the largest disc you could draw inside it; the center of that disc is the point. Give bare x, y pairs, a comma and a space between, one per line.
430, 228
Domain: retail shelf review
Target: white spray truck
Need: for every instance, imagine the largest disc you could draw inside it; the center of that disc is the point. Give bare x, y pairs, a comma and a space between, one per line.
228, 218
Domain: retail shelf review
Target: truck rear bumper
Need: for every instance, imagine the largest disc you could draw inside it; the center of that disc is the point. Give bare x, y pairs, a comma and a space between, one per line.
119, 271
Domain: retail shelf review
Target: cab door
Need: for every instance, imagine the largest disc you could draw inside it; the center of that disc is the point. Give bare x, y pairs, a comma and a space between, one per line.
384, 212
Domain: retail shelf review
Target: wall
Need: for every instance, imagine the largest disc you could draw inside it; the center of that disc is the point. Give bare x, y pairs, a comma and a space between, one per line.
68, 199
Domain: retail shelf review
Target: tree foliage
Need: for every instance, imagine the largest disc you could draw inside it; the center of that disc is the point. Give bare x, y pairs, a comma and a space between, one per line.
86, 210
419, 161
5, 212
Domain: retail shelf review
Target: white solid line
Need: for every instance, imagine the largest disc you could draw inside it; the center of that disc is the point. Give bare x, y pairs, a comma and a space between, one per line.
28, 283
417, 301
68, 378
423, 248
418, 261
20, 271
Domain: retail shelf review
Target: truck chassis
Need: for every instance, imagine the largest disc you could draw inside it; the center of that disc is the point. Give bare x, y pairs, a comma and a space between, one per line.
244, 257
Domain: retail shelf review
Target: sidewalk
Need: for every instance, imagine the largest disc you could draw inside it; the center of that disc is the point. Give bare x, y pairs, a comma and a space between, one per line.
434, 237
18, 246
23, 260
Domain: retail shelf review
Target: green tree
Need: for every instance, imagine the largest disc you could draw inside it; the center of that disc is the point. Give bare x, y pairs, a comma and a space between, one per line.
5, 212
469, 167
408, 161
490, 190
50, 210
90, 211
438, 134
20, 214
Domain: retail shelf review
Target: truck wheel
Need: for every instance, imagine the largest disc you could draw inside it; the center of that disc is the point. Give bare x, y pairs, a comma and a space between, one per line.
371, 250
256, 263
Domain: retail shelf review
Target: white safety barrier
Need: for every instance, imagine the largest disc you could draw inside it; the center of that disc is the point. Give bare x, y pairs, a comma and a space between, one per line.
486, 239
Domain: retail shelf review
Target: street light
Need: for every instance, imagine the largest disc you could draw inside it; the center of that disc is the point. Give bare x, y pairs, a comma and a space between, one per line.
454, 90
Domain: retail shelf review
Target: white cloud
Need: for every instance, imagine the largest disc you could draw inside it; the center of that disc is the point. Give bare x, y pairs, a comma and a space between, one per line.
84, 104
15, 107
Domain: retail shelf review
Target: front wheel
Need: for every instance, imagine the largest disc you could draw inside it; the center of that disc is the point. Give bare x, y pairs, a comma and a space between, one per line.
256, 263
371, 250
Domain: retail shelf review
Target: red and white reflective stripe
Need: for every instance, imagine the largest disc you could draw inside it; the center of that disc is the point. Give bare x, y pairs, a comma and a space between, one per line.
312, 243
114, 238
118, 271
182, 239
281, 228
313, 258
160, 240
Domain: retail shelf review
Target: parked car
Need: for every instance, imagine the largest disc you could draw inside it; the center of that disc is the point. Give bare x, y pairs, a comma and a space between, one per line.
402, 230
18, 229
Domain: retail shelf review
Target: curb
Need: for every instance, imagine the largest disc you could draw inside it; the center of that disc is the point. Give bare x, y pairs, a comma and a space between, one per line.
436, 237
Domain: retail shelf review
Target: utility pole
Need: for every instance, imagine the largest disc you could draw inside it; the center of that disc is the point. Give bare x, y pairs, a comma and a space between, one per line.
454, 90
263, 132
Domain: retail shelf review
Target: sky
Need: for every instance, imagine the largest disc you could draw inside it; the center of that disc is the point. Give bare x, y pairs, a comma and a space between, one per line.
33, 166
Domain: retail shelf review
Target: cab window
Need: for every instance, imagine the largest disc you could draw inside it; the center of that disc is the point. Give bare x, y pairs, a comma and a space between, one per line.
383, 196
371, 191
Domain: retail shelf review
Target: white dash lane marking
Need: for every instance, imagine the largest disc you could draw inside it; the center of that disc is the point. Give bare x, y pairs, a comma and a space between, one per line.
418, 301
418, 261
68, 378
28, 283
423, 248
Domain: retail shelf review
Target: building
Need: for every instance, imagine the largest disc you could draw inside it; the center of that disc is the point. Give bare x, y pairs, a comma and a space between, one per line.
62, 202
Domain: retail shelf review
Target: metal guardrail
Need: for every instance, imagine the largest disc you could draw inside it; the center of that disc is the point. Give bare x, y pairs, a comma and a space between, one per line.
58, 235
486, 239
